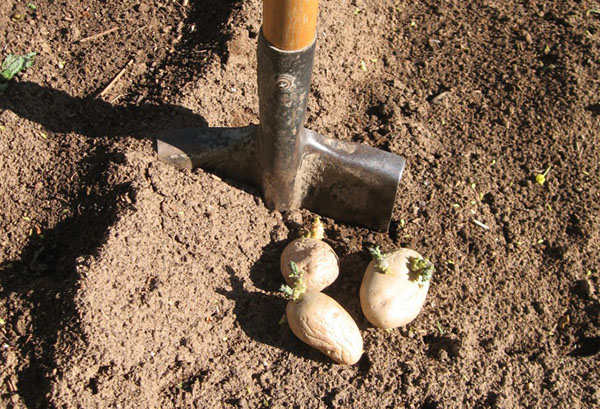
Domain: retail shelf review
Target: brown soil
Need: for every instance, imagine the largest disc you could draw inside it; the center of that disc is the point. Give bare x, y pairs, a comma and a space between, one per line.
126, 283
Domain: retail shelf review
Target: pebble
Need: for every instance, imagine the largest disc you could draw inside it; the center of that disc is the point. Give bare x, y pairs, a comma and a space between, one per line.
279, 233
433, 43
440, 97
293, 216
398, 84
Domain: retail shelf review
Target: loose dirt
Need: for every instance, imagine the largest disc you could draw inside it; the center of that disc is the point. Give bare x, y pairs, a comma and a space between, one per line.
126, 283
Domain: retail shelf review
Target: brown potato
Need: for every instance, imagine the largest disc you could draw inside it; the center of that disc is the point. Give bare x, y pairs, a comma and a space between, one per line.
395, 298
319, 321
315, 258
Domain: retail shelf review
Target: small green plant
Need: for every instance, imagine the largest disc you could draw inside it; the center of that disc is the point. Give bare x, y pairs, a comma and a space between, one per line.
440, 329
12, 65
541, 177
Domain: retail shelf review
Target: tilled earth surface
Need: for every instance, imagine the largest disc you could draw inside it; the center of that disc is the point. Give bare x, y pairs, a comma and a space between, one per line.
127, 283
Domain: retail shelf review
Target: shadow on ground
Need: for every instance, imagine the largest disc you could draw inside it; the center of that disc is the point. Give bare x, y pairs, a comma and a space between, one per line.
45, 275
259, 312
260, 317
206, 35
60, 112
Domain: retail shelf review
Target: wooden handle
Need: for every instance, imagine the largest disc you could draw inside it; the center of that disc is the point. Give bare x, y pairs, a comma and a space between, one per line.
290, 25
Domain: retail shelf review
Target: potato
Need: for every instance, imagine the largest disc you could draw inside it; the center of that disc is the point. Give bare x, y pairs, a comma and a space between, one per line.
319, 321
394, 287
314, 257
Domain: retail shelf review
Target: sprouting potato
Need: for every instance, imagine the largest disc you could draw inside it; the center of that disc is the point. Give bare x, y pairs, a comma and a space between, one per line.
319, 321
394, 287
313, 256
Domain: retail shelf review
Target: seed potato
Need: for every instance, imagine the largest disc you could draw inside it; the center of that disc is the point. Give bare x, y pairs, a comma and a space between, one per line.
319, 321
394, 287
315, 258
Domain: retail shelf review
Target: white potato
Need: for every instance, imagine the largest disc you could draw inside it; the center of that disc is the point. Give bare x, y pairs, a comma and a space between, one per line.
319, 321
315, 258
393, 289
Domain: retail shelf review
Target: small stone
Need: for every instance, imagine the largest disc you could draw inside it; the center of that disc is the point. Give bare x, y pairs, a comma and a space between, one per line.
21, 326
75, 33
293, 217
142, 7
439, 98
11, 383
433, 43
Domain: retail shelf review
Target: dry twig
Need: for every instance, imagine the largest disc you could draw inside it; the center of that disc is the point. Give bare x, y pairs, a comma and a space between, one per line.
114, 81
96, 36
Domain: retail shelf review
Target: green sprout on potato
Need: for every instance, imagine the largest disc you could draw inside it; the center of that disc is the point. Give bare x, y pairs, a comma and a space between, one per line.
316, 231
380, 261
294, 292
423, 268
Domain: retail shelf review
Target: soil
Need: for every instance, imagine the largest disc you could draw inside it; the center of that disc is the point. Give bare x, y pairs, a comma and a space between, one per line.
127, 283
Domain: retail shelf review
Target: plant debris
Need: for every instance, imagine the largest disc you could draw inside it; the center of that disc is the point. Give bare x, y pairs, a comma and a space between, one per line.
12, 65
